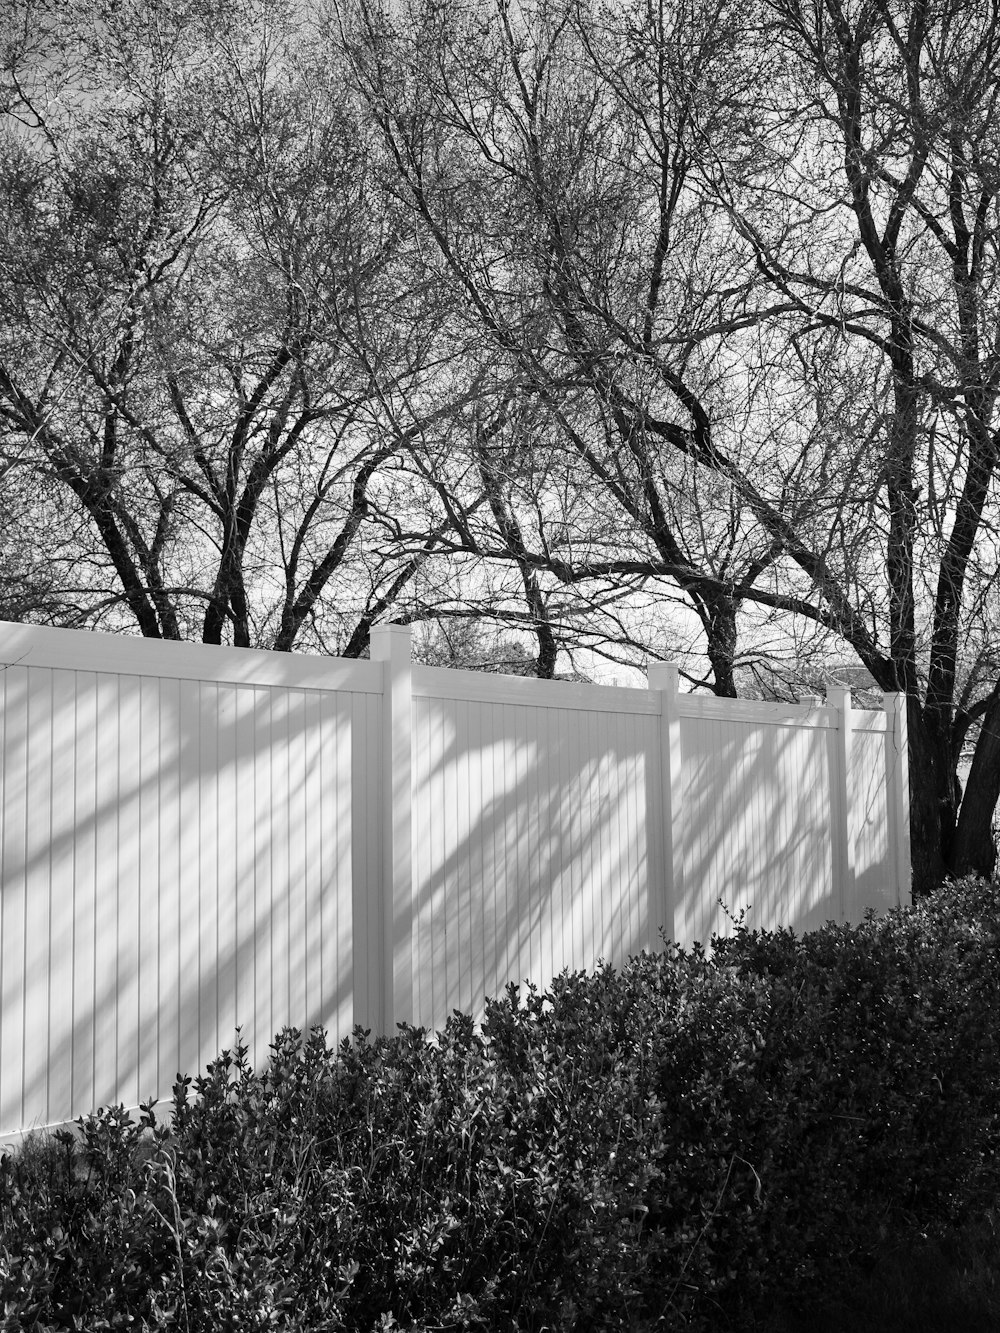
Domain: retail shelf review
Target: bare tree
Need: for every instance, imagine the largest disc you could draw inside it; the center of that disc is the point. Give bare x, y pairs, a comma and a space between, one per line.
884, 121
563, 226
597, 322
746, 264
207, 320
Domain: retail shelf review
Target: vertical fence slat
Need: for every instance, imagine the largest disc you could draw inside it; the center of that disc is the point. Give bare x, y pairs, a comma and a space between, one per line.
208, 869
168, 884
240, 816
37, 942
664, 678
84, 1012
390, 645
62, 894
189, 905
309, 928
476, 979
340, 981
839, 699
104, 944
13, 864
367, 869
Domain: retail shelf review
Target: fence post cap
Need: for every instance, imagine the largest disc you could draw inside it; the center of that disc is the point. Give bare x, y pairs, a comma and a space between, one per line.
663, 676
390, 641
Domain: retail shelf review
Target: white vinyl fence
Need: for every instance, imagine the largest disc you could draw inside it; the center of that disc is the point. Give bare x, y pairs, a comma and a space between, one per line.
194, 838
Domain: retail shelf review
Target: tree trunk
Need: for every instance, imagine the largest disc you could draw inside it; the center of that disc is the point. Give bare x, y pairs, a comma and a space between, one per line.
974, 849
721, 638
548, 650
930, 794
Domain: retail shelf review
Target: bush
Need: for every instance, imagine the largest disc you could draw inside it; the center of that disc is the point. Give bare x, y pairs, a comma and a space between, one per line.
673, 1145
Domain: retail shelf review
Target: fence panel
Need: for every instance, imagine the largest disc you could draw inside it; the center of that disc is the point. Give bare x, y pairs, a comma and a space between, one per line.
523, 816
176, 860
193, 838
363, 952
756, 818
874, 884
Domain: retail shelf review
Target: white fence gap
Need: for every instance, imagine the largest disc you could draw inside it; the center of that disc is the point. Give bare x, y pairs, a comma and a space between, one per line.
194, 838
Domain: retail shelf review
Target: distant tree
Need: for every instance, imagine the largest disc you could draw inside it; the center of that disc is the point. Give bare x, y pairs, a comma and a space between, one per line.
869, 200
575, 256
466, 644
209, 333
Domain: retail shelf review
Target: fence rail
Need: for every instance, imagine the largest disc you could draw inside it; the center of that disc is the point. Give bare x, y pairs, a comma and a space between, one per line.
194, 837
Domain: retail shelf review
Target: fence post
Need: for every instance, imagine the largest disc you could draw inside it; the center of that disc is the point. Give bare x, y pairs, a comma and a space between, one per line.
668, 897
839, 699
897, 776
390, 645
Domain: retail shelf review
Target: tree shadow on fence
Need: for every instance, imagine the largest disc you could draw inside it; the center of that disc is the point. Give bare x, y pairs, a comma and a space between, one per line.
176, 862
180, 857
530, 849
